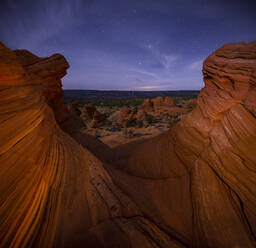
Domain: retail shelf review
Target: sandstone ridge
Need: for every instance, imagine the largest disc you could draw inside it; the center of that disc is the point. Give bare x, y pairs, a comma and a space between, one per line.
192, 186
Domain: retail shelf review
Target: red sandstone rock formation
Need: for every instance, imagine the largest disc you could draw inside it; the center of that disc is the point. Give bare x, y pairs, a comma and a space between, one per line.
141, 115
88, 111
207, 161
193, 186
161, 103
125, 115
147, 106
98, 119
73, 108
191, 103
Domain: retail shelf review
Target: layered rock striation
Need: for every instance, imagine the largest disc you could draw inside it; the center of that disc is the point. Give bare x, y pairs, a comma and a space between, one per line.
207, 161
193, 186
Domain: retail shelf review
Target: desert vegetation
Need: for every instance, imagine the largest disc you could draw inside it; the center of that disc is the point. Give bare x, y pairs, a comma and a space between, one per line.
119, 121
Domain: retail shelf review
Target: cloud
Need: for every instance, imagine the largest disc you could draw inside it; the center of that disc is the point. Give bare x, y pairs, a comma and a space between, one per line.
38, 22
148, 87
168, 61
196, 65
144, 73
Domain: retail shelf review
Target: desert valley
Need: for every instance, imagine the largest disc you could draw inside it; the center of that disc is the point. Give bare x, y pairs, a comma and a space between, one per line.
114, 123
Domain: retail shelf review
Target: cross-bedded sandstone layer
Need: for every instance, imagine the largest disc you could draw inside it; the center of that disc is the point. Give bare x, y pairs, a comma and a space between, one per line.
193, 186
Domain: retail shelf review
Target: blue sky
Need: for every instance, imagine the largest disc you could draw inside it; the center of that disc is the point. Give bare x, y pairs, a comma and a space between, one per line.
128, 45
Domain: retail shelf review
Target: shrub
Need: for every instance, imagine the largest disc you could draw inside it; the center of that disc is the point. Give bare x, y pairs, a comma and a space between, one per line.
97, 134
115, 128
131, 123
139, 123
150, 119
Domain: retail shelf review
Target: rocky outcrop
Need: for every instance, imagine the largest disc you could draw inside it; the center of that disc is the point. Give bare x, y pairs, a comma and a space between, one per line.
91, 115
207, 160
157, 107
88, 111
160, 106
141, 115
125, 115
193, 186
73, 108
191, 104
98, 119
162, 103
147, 106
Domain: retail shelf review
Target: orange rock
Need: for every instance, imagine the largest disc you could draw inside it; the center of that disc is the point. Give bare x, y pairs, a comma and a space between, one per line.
158, 105
147, 106
98, 119
168, 101
125, 115
192, 186
191, 103
141, 115
209, 157
163, 104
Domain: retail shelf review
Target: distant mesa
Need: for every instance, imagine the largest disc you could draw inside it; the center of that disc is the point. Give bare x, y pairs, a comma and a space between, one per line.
192, 186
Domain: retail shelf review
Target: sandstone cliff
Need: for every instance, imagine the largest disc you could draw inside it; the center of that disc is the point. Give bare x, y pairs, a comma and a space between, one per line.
193, 186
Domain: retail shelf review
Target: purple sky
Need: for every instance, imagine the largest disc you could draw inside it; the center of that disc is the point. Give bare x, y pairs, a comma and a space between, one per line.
128, 45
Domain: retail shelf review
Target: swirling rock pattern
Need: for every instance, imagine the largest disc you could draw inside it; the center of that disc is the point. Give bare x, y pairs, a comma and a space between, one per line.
193, 186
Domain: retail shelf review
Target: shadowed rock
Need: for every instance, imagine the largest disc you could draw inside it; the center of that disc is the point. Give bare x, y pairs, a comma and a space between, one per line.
98, 119
193, 186
125, 115
73, 108
88, 111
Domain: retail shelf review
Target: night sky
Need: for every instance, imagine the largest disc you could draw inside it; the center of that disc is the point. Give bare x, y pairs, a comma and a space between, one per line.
128, 44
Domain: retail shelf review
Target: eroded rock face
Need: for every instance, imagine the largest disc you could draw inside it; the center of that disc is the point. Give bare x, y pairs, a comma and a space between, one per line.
74, 109
147, 106
98, 119
210, 155
162, 103
88, 111
141, 115
160, 106
193, 186
191, 103
126, 114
